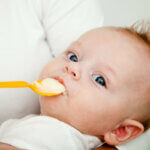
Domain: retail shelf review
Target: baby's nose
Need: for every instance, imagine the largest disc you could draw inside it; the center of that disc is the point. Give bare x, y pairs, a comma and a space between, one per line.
73, 71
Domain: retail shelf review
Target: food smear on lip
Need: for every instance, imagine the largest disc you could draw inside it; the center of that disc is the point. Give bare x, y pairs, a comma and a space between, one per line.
49, 86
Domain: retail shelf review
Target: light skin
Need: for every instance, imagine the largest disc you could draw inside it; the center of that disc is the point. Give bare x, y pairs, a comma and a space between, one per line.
105, 82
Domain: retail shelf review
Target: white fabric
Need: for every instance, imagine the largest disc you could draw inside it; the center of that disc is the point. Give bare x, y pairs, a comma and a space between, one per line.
30, 30
45, 133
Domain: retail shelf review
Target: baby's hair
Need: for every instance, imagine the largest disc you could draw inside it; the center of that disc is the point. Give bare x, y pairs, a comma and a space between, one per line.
141, 30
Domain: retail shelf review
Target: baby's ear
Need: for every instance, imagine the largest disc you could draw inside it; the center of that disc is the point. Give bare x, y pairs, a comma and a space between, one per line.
126, 131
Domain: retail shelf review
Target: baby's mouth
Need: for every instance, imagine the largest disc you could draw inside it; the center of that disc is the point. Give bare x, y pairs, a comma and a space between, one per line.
60, 80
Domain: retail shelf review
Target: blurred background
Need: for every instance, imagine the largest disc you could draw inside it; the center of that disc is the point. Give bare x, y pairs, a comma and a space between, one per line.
125, 12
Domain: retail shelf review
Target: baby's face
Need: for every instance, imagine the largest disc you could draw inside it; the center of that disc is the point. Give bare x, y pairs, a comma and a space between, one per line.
104, 75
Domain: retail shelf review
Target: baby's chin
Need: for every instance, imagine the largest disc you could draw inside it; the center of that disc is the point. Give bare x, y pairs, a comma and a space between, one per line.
54, 106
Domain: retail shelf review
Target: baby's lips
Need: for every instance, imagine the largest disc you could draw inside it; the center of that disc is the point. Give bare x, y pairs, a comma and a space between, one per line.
59, 79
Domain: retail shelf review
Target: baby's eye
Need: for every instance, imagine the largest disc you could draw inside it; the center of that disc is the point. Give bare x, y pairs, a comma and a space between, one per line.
72, 57
99, 79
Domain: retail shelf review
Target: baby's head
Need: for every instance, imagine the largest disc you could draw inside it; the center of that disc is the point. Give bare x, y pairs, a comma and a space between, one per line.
106, 73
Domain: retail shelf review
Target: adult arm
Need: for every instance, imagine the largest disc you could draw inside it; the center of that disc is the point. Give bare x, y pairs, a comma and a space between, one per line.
4, 146
106, 148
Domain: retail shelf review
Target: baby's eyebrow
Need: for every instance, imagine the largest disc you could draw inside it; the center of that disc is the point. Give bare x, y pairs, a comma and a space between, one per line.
76, 43
111, 70
111, 73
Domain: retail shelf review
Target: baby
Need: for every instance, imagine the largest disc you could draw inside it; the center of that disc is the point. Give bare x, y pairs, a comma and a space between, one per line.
106, 73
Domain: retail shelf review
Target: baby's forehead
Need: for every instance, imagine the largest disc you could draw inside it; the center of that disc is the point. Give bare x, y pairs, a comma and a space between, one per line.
113, 38
103, 36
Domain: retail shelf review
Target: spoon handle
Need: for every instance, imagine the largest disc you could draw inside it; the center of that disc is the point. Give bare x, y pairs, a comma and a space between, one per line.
14, 84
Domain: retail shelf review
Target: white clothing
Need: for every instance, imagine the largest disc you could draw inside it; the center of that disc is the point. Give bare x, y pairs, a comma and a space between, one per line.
30, 32
45, 133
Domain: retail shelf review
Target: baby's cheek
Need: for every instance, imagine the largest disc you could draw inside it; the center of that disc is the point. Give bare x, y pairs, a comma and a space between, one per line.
44, 71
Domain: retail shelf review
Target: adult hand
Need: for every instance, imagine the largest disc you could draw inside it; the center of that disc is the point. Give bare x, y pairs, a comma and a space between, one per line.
4, 146
106, 148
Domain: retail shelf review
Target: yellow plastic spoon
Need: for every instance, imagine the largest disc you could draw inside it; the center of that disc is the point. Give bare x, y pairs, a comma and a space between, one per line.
46, 87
